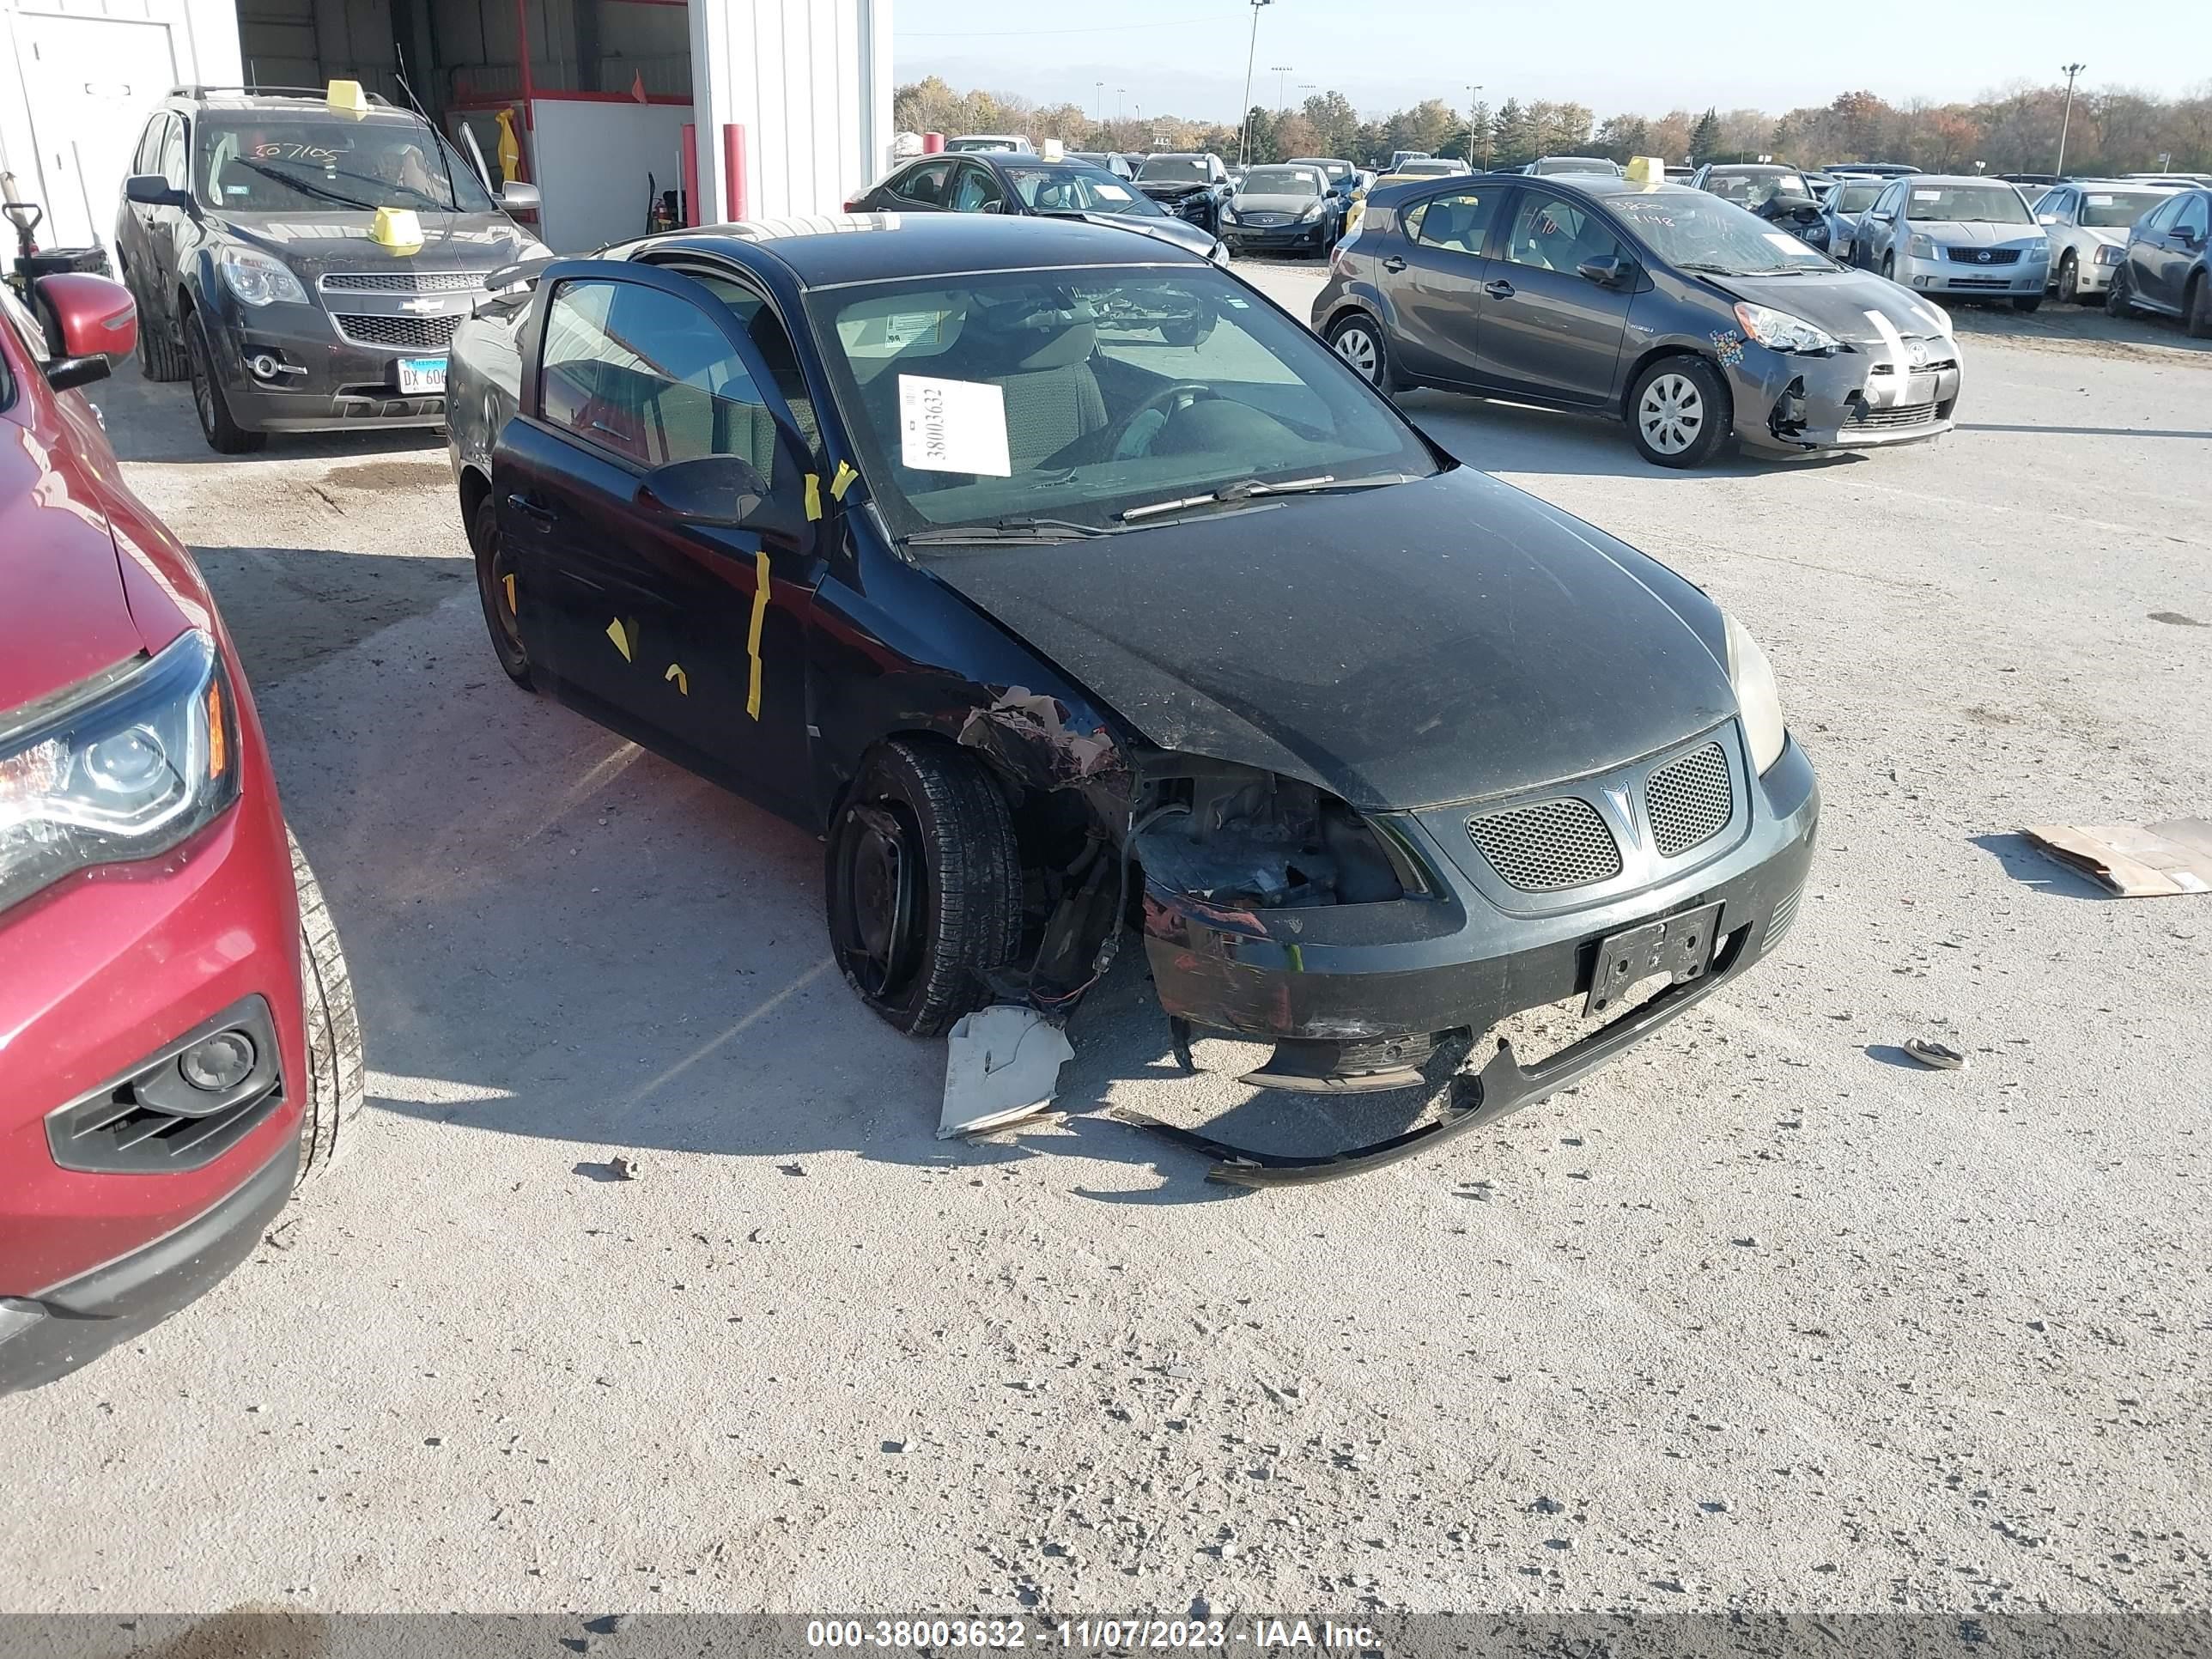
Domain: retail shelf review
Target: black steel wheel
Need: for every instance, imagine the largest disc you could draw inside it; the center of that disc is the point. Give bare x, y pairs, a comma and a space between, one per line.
2118, 299
499, 589
224, 434
923, 885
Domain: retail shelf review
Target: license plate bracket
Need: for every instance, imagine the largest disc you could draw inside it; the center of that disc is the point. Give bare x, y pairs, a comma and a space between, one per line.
1681, 947
418, 375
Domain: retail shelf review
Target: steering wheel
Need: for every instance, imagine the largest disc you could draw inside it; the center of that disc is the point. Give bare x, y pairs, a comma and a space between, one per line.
1134, 435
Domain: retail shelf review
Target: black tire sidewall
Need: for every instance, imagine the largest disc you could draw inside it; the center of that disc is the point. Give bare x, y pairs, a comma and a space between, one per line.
1719, 403
483, 544
217, 425
2070, 291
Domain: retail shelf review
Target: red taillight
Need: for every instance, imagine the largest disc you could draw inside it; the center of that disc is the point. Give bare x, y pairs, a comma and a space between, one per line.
852, 206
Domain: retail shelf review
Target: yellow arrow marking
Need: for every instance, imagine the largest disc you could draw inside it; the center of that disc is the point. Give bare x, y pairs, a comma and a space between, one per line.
624, 634
752, 640
682, 681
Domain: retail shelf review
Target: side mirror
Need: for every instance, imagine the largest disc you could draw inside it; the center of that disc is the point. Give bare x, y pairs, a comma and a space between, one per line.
990, 207
152, 189
516, 197
720, 491
95, 320
1607, 270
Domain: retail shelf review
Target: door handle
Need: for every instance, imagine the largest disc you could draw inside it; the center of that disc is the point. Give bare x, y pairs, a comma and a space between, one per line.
1498, 290
1394, 263
535, 511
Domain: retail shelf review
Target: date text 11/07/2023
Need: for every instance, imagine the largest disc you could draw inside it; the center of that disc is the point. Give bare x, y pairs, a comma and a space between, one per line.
1103, 1635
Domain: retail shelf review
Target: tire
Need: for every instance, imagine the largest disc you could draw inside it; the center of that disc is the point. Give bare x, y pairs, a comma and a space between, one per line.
2196, 307
336, 1074
495, 571
224, 434
928, 823
2026, 302
160, 356
2117, 302
1889, 267
1357, 339
1680, 412
2070, 281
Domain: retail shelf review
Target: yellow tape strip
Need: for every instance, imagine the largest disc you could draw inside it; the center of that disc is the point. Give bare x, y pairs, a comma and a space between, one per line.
509, 580
624, 634
813, 496
760, 615
843, 481
682, 680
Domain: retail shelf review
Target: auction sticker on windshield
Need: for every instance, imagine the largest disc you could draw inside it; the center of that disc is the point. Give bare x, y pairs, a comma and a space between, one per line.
953, 426
420, 374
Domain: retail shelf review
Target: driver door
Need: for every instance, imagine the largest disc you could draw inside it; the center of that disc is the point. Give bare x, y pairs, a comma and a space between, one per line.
1548, 330
690, 637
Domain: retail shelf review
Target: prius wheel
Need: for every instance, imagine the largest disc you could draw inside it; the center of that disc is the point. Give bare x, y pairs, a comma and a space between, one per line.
1358, 341
224, 434
924, 885
499, 587
2118, 296
2070, 281
1679, 412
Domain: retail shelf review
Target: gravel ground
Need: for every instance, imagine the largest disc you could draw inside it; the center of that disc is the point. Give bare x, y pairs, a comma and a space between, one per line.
1762, 1316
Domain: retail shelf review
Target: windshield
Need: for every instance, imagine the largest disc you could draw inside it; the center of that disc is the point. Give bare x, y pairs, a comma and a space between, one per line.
1856, 199
2116, 209
1078, 395
1282, 181
1080, 190
1174, 170
1693, 228
1756, 187
280, 162
1967, 204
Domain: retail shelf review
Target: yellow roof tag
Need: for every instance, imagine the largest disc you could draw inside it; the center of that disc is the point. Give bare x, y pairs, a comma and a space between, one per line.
347, 97
398, 229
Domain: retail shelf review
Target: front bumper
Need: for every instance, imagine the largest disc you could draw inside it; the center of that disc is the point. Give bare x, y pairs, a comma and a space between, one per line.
1457, 962
1240, 235
1991, 281
325, 379
1855, 399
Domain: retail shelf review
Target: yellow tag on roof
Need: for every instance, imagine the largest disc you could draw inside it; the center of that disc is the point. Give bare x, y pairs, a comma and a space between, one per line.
398, 229
347, 97
1645, 170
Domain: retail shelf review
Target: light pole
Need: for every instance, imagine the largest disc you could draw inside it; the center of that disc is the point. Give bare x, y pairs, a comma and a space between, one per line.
1101, 103
1471, 91
1282, 74
2067, 120
1251, 56
1121, 101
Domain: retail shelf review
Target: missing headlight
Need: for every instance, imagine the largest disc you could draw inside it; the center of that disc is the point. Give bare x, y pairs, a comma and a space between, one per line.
1251, 840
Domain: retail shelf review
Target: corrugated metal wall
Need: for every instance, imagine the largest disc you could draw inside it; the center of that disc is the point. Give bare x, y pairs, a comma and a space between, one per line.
810, 82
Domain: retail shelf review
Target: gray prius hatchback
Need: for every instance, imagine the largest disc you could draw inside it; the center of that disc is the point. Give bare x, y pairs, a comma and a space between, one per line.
1684, 315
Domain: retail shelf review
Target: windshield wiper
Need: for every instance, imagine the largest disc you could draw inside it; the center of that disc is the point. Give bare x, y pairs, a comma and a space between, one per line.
307, 185
1245, 488
1708, 269
1031, 531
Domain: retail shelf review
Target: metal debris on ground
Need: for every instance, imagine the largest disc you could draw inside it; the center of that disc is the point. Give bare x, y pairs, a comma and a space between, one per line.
622, 1169
1936, 1056
1001, 1066
2134, 860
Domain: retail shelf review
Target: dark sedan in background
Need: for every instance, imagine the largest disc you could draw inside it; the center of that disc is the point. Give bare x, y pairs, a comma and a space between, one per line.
1021, 184
1283, 208
303, 264
2163, 266
1065, 585
1667, 307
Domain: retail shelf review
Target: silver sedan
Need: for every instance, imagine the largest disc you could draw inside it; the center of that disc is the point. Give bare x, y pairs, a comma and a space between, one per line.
1966, 238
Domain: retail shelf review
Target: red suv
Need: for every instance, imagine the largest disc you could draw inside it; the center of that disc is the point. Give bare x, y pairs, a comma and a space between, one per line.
178, 1039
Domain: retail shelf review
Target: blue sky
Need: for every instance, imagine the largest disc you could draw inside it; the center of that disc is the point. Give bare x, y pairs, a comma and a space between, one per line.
1186, 57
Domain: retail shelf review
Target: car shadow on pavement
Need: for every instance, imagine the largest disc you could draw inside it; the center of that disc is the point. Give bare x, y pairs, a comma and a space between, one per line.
1518, 438
2084, 431
289, 608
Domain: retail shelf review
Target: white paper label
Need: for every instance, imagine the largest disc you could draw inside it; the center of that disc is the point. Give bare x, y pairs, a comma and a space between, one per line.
1109, 193
1784, 241
903, 329
953, 426
1925, 195
2100, 201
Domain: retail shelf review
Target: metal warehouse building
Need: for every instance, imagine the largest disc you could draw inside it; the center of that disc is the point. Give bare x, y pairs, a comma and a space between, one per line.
723, 108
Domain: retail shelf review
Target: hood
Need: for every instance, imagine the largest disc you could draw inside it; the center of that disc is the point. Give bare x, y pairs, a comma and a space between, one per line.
1293, 205
1967, 234
2110, 235
1181, 232
312, 243
61, 589
1425, 642
1165, 190
1840, 301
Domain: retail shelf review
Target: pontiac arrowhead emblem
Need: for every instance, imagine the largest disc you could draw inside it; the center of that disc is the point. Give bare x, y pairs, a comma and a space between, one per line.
1624, 808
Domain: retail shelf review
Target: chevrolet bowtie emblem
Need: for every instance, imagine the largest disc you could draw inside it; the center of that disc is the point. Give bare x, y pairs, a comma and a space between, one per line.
418, 305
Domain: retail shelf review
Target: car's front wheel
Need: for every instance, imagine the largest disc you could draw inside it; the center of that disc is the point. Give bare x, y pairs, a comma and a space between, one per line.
336, 1074
224, 434
1357, 339
1680, 412
1889, 267
924, 885
499, 589
2070, 281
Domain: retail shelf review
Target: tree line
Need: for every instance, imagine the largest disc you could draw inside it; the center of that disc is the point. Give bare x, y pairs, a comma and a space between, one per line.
2016, 130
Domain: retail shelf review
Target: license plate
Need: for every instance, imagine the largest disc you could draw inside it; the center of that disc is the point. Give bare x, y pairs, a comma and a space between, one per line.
1920, 389
419, 374
1680, 947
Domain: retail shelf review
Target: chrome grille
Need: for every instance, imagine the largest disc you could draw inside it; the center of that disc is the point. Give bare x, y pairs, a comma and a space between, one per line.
1899, 416
1689, 801
1547, 846
416, 333
402, 282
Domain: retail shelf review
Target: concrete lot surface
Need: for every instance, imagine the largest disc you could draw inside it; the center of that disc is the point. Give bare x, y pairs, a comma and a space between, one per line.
1763, 1317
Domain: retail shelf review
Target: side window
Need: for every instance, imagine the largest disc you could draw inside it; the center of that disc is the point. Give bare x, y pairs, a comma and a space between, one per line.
924, 185
1885, 205
766, 332
172, 166
2156, 221
148, 156
2194, 216
976, 190
1459, 221
1552, 234
650, 377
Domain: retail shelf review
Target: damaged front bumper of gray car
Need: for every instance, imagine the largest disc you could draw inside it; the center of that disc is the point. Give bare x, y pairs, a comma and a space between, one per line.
1854, 398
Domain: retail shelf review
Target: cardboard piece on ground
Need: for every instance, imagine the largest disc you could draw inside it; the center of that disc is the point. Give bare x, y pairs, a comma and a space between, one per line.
2134, 860
1001, 1065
